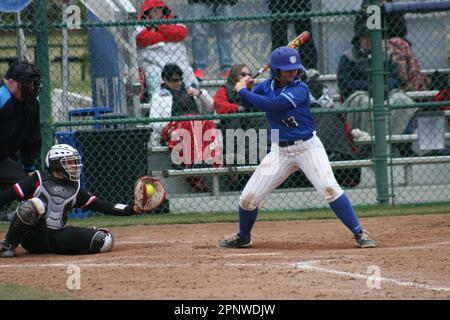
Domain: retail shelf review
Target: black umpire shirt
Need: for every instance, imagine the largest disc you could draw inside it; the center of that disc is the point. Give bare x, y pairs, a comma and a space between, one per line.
19, 128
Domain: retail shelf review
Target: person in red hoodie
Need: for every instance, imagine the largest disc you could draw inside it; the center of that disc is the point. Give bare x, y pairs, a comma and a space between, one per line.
160, 44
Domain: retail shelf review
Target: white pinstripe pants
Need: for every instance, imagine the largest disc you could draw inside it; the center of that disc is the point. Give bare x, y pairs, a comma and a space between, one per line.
280, 163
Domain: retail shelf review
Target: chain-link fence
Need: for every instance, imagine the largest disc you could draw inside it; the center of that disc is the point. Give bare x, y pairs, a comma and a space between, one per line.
123, 77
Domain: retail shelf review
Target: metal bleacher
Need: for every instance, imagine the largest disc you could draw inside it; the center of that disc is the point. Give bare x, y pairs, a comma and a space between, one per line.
330, 80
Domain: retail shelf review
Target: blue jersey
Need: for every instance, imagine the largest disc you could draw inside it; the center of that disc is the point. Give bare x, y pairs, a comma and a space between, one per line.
287, 108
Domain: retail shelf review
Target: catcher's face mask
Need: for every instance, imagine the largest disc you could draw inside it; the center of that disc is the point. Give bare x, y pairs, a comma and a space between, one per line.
72, 166
30, 91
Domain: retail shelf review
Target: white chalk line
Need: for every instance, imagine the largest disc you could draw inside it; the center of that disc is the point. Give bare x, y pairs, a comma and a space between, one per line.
253, 254
153, 242
137, 237
95, 265
91, 263
311, 266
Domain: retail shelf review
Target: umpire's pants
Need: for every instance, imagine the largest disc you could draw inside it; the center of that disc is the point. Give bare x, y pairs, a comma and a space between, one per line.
10, 173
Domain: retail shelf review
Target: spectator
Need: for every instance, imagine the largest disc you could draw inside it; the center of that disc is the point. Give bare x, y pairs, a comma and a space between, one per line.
399, 48
227, 102
222, 32
353, 83
190, 100
161, 44
336, 134
279, 28
19, 122
408, 64
174, 99
187, 102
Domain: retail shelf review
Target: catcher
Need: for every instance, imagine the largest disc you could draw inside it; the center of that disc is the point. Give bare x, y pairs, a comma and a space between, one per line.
39, 222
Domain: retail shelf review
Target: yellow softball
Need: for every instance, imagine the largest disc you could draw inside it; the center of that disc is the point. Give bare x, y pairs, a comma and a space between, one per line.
149, 190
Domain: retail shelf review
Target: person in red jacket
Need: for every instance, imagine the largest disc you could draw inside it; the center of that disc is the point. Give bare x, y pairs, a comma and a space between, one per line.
160, 43
227, 102
152, 34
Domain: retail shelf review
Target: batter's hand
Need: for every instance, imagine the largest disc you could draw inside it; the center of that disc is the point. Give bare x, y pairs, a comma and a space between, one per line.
244, 83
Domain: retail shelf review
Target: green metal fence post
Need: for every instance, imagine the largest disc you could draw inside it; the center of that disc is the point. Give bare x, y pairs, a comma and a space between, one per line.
379, 114
42, 61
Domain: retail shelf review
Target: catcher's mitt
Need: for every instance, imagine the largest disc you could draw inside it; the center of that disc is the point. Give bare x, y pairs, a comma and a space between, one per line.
142, 202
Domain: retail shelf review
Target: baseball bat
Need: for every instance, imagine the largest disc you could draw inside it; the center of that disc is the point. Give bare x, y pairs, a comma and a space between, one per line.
294, 44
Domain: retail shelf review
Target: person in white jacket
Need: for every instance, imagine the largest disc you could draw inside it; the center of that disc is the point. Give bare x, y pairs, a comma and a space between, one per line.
175, 99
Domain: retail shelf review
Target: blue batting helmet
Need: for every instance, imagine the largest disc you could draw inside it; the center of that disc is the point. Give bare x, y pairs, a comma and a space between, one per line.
284, 58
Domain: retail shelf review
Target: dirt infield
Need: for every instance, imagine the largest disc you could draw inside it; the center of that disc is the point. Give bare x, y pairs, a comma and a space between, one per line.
313, 259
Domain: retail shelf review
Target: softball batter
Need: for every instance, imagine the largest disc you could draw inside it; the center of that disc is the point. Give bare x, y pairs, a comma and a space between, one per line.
285, 99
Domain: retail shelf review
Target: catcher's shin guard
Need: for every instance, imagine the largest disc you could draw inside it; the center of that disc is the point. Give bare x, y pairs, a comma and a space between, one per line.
30, 211
102, 241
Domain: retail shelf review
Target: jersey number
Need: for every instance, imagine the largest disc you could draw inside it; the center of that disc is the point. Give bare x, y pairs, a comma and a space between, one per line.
290, 122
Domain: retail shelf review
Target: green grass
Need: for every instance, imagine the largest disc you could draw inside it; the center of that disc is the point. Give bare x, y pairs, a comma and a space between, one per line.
16, 292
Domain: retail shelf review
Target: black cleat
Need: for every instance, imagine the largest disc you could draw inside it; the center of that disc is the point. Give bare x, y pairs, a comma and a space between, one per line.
6, 250
235, 241
364, 241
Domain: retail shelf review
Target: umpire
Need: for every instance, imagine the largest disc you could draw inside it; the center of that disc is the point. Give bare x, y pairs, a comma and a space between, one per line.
20, 133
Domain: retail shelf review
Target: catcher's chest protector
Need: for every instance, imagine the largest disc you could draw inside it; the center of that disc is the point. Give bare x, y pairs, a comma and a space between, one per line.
57, 196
